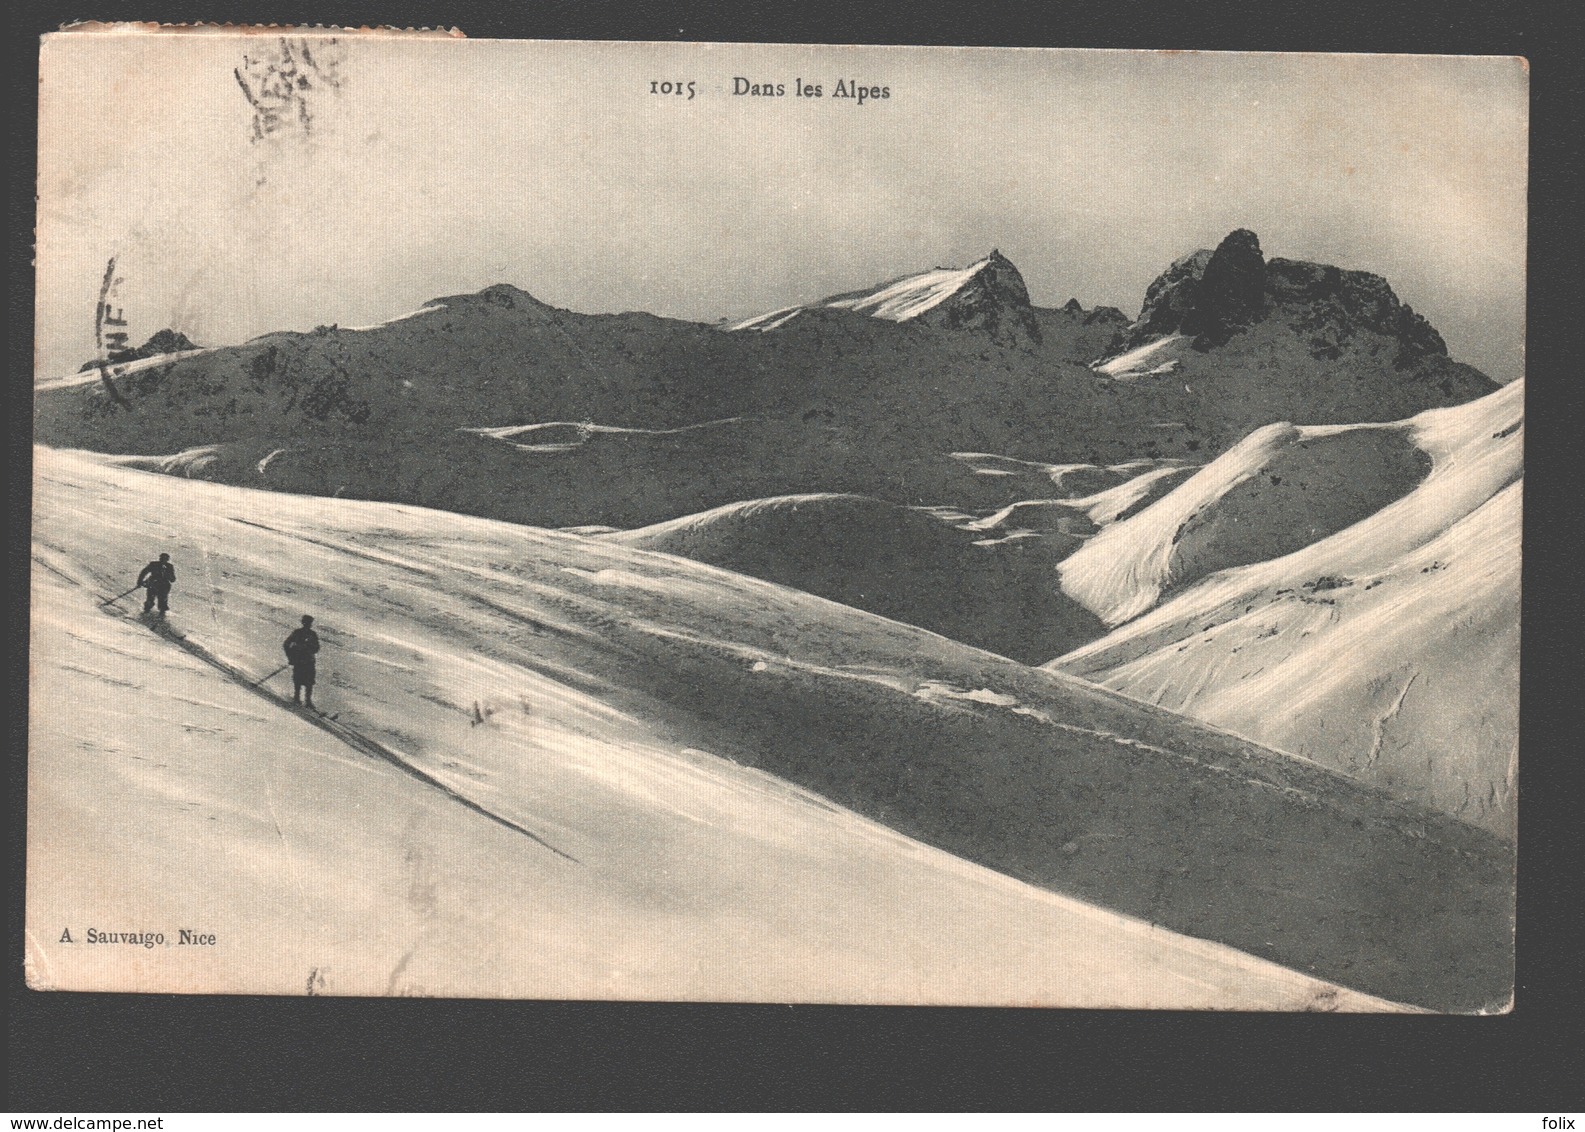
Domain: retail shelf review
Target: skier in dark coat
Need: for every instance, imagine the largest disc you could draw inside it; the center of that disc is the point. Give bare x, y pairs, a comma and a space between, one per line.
300, 649
158, 577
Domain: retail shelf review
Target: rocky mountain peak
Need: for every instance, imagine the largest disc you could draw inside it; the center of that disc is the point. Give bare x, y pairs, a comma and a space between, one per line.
1168, 300
1212, 295
167, 341
1001, 275
1231, 292
993, 298
989, 294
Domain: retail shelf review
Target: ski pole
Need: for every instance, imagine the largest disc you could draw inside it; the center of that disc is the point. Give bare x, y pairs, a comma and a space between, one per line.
119, 596
262, 679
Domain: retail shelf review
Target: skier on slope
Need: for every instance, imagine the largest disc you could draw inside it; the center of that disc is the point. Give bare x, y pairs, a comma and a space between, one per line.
158, 576
300, 649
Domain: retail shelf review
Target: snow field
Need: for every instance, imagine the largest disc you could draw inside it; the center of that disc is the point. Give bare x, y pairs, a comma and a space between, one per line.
166, 795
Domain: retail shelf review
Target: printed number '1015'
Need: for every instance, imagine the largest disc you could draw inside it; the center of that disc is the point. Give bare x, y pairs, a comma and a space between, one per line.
679, 88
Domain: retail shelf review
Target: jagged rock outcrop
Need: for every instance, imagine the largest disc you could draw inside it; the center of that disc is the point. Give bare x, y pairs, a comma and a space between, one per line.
1231, 292
1211, 296
1328, 305
1075, 309
1169, 299
165, 341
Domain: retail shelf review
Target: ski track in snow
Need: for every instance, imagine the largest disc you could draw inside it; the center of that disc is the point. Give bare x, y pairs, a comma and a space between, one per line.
348, 735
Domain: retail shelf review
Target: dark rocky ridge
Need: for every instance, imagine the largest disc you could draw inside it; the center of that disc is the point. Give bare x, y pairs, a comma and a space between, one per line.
1232, 290
165, 341
1211, 296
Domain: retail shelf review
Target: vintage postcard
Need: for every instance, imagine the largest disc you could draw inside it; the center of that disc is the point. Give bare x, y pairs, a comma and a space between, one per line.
775, 523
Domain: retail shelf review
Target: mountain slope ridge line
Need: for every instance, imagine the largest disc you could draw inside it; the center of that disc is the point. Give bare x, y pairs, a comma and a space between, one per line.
1279, 773
1426, 590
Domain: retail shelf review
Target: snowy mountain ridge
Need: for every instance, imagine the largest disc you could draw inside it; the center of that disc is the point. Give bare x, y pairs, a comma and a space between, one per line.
980, 295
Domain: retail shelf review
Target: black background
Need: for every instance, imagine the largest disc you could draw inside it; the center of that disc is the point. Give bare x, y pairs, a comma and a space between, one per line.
147, 1053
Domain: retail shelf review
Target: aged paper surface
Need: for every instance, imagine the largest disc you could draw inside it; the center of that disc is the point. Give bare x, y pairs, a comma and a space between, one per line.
775, 523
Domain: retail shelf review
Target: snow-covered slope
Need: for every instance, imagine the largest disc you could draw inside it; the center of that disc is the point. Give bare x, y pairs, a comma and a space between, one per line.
630, 710
1280, 489
988, 580
1155, 358
165, 796
1072, 498
913, 296
988, 294
563, 436
988, 587
897, 301
1388, 650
